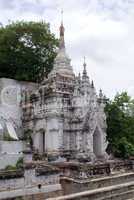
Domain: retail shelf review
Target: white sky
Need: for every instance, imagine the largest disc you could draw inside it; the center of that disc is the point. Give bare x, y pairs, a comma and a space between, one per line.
101, 30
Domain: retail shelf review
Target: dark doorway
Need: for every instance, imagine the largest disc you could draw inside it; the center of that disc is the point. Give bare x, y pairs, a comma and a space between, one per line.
43, 135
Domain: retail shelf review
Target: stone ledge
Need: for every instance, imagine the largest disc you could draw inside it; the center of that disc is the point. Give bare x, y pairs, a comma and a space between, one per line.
98, 179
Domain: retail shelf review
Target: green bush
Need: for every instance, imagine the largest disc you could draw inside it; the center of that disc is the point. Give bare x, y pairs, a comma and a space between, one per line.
120, 125
7, 137
124, 148
19, 163
10, 167
27, 50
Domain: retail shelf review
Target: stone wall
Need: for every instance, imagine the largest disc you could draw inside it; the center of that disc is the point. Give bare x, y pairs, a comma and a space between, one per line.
11, 112
10, 98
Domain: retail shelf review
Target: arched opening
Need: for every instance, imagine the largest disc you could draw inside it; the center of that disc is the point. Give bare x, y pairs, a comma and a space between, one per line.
39, 141
97, 143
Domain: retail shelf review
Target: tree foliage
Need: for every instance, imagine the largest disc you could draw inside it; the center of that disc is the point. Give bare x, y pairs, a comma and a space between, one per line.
27, 49
120, 125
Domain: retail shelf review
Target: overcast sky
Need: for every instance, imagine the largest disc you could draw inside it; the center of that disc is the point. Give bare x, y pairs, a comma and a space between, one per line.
101, 30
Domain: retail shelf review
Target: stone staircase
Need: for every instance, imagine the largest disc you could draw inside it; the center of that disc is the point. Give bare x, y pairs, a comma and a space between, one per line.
117, 187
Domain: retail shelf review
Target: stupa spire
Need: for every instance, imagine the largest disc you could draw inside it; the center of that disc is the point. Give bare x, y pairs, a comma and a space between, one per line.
62, 61
84, 70
62, 30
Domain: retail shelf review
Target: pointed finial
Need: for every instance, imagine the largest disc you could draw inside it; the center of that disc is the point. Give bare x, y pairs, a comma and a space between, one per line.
84, 70
62, 43
62, 16
84, 64
84, 59
92, 84
79, 76
100, 93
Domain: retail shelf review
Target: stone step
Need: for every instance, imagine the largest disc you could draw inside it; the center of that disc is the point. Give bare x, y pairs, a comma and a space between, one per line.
131, 199
106, 193
121, 196
71, 186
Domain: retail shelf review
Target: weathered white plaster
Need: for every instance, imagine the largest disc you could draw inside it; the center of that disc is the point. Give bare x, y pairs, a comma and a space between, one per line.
12, 147
68, 111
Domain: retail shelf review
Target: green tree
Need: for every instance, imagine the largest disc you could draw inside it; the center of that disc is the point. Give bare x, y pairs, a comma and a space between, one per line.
27, 50
120, 125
